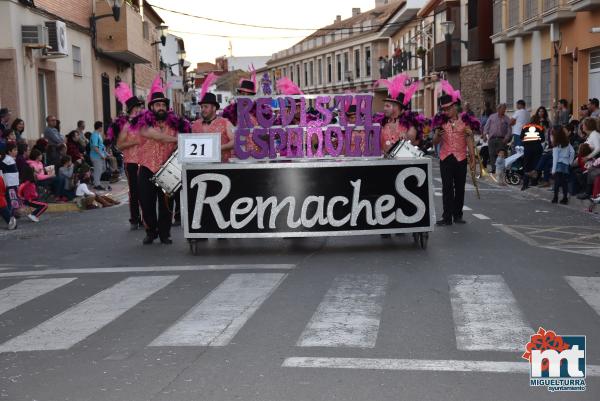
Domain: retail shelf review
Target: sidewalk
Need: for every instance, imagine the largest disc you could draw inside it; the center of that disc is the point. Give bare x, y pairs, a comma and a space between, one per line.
545, 194
119, 191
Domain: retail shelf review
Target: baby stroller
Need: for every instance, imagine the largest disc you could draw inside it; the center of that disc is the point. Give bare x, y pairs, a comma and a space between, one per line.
514, 167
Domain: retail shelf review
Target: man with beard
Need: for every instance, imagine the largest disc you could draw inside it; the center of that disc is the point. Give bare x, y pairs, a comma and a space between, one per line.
128, 142
211, 123
399, 123
159, 140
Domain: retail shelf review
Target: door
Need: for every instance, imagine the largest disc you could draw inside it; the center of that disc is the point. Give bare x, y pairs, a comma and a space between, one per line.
106, 100
594, 78
42, 101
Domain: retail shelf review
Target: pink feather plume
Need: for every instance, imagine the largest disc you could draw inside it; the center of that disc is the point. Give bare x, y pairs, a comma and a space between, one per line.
395, 85
410, 91
208, 82
286, 87
123, 92
157, 86
449, 90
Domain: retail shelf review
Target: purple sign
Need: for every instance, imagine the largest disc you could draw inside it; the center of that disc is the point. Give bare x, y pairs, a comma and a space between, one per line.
297, 132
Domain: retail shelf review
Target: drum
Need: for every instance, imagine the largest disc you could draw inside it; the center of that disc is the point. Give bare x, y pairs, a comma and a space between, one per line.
403, 149
168, 178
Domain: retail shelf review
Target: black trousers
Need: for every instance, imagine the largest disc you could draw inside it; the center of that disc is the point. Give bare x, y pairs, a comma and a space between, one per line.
150, 195
454, 178
131, 171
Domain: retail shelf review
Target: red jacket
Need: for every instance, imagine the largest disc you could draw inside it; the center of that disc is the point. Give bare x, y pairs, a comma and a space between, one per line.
28, 191
3, 203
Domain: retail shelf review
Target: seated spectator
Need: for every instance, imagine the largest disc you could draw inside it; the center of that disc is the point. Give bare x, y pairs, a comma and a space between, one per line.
28, 194
8, 166
90, 200
10, 136
22, 156
562, 158
111, 160
44, 176
41, 145
74, 147
66, 186
5, 212
18, 128
590, 127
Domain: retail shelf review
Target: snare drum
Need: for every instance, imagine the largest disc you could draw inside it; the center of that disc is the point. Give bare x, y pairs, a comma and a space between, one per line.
168, 178
403, 149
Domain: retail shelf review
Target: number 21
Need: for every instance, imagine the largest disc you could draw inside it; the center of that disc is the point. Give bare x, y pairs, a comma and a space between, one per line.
194, 151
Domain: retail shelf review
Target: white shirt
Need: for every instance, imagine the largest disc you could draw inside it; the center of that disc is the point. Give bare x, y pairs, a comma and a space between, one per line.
82, 190
594, 142
522, 117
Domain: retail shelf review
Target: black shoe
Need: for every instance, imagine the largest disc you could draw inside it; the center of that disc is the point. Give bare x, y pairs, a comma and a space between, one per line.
459, 220
100, 188
386, 236
564, 201
149, 239
444, 222
524, 187
166, 241
555, 199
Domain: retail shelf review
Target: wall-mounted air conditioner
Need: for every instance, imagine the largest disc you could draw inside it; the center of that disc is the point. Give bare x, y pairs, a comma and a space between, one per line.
34, 36
57, 40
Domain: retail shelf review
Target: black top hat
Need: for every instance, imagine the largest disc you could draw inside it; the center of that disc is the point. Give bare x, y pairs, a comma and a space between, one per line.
398, 100
247, 86
351, 109
159, 97
210, 98
133, 102
446, 100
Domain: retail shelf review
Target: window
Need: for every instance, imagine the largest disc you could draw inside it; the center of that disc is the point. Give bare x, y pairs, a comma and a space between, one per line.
320, 71
357, 63
146, 30
497, 16
311, 69
510, 88
346, 63
329, 70
298, 73
292, 74
439, 18
513, 12
527, 84
338, 62
368, 61
119, 105
546, 92
305, 75
284, 72
77, 61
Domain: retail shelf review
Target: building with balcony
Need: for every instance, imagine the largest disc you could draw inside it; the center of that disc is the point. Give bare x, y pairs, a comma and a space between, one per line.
344, 56
547, 51
126, 50
46, 63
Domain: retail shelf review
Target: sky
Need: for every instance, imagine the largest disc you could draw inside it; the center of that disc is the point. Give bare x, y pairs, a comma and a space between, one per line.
248, 41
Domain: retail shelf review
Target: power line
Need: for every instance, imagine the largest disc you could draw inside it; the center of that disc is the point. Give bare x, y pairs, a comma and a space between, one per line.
401, 23
236, 37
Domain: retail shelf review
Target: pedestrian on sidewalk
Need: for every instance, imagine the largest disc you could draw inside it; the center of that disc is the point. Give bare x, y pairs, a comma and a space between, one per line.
590, 127
455, 138
520, 117
563, 155
29, 196
497, 133
8, 166
98, 155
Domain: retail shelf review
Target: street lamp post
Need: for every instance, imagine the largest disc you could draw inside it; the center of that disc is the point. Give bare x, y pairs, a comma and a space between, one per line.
163, 35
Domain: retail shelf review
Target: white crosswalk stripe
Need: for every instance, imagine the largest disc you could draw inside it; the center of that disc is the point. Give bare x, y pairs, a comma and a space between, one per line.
75, 324
349, 314
588, 288
486, 314
219, 316
27, 290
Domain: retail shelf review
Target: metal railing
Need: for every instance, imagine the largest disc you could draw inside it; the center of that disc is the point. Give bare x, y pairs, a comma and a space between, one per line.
532, 9
513, 12
550, 4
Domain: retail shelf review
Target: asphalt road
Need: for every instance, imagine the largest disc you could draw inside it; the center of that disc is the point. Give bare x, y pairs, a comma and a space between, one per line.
363, 318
